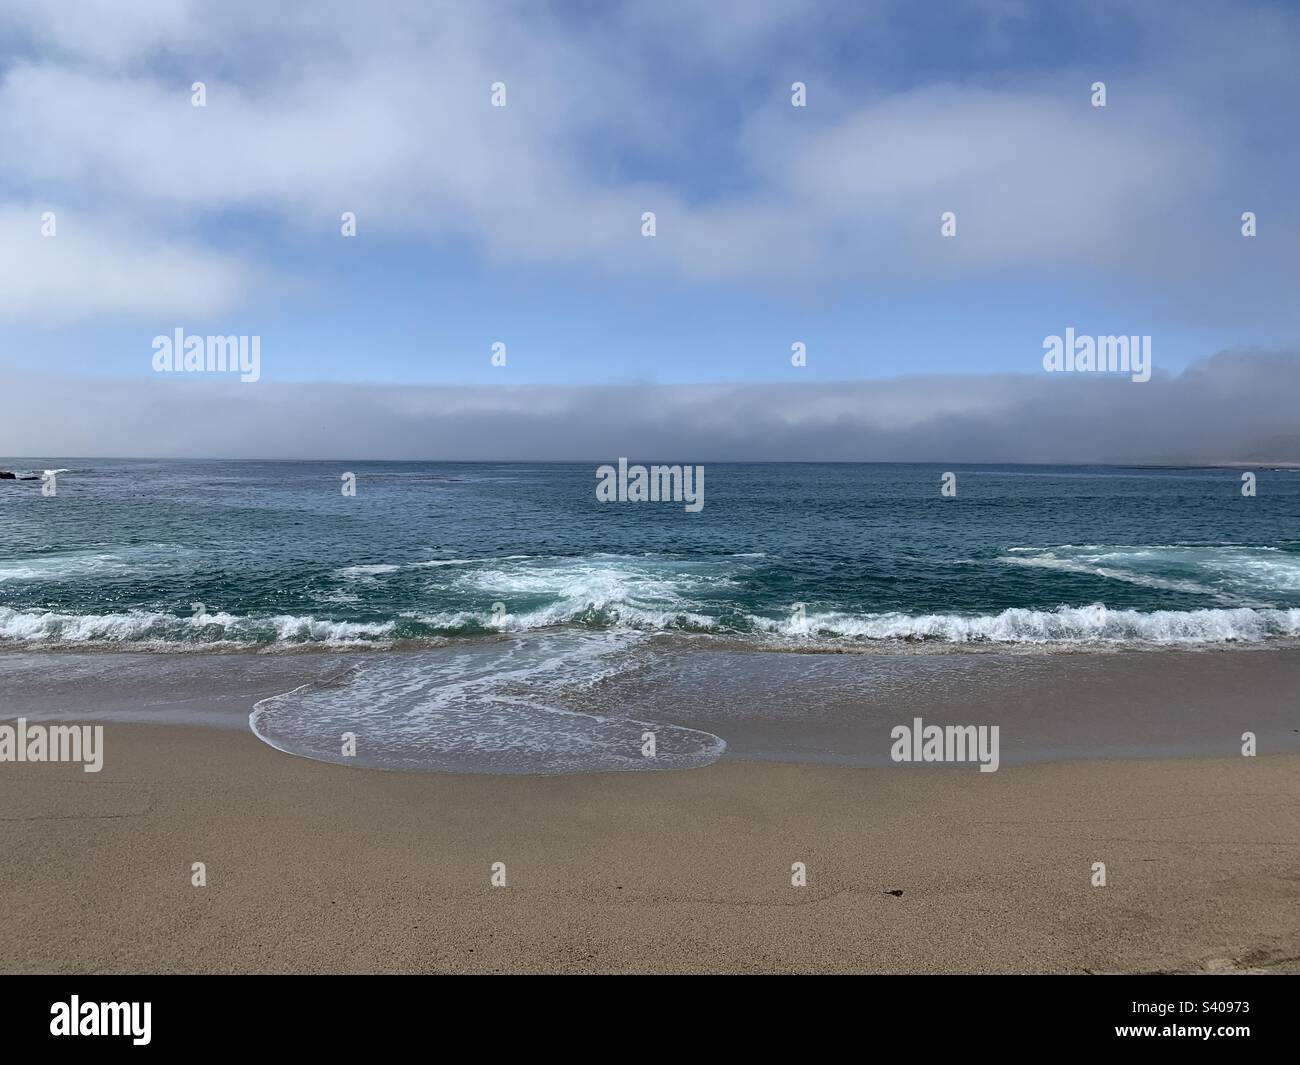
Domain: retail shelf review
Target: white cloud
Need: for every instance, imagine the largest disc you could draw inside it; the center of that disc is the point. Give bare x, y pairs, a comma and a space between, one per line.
104, 30
1030, 178
90, 267
383, 110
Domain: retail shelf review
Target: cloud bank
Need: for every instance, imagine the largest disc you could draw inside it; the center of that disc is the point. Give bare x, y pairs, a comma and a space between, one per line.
1235, 407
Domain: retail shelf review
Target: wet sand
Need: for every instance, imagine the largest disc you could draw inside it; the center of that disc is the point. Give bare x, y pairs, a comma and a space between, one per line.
767, 706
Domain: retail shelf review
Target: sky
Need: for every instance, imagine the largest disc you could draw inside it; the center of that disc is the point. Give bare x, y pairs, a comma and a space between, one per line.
522, 225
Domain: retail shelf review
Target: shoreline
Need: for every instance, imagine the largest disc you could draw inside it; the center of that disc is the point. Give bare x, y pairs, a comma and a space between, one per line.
763, 707
707, 640
318, 868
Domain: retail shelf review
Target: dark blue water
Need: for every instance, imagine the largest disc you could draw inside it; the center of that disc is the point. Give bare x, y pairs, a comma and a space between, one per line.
789, 555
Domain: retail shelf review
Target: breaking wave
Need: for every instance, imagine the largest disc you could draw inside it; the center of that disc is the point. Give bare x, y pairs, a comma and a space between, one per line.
1162, 595
1095, 623
140, 627
1067, 625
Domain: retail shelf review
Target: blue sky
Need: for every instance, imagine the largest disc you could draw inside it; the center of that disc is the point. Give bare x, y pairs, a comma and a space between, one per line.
775, 224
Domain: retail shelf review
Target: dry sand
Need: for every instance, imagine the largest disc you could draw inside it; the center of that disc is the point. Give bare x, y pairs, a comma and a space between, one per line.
320, 868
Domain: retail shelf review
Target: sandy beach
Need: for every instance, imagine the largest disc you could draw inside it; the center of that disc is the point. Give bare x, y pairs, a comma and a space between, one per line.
321, 868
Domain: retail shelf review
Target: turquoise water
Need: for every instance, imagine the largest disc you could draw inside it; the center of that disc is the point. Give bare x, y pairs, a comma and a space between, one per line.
535, 629
427, 553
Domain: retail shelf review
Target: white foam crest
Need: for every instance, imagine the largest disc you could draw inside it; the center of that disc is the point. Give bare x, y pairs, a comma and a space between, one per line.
1088, 624
80, 565
567, 612
1231, 570
372, 570
48, 626
1063, 565
619, 590
600, 581
289, 628
42, 625
434, 563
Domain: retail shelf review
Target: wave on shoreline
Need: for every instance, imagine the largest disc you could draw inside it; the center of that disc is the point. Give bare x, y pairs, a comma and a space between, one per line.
1066, 627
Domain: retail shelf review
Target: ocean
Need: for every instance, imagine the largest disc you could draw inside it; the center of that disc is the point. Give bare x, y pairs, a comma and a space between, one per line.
528, 614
